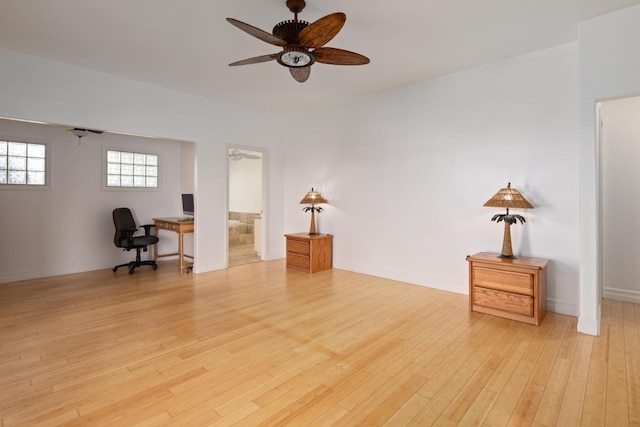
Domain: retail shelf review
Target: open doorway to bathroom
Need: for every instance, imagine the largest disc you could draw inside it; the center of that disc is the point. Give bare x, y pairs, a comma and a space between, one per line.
619, 150
245, 196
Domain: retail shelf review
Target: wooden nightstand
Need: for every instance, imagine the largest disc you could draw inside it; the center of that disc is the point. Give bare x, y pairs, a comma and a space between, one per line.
511, 288
310, 252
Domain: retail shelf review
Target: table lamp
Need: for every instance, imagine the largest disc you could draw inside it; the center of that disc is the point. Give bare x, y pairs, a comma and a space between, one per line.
508, 198
313, 198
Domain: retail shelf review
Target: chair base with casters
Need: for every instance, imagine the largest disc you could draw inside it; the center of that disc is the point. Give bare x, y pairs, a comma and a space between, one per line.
137, 263
124, 238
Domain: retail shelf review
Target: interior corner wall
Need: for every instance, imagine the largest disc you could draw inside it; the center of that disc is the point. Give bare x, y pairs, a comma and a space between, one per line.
609, 68
406, 173
38, 89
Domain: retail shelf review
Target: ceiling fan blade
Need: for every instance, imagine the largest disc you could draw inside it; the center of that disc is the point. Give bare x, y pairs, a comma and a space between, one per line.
322, 31
331, 55
83, 131
258, 33
255, 60
301, 74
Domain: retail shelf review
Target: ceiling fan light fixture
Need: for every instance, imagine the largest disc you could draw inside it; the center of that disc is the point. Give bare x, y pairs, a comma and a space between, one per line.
295, 57
79, 132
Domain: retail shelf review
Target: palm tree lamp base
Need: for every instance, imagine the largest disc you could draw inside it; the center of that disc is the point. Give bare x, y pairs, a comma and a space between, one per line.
508, 198
507, 249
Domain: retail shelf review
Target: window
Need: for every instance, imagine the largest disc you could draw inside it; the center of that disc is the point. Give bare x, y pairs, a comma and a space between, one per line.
136, 170
22, 163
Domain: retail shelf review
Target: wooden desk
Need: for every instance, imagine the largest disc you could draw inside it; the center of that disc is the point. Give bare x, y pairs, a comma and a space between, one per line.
180, 227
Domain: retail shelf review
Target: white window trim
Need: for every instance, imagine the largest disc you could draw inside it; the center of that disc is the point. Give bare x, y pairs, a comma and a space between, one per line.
48, 177
105, 187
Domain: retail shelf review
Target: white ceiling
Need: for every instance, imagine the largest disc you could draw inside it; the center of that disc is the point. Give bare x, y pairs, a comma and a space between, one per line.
187, 44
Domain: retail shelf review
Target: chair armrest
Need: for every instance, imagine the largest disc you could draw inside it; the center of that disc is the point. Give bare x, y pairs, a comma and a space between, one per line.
147, 229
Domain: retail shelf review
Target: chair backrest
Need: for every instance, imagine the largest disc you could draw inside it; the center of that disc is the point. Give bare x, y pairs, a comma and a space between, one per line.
123, 221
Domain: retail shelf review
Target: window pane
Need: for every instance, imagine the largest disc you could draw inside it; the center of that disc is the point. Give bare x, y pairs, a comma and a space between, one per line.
17, 163
138, 181
152, 159
152, 182
126, 181
139, 159
138, 170
17, 149
35, 164
126, 157
3, 176
17, 177
152, 171
35, 150
3, 148
126, 169
35, 178
113, 180
3, 162
113, 156
113, 168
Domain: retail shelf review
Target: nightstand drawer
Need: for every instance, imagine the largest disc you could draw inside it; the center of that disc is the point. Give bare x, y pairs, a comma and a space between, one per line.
296, 260
508, 281
298, 247
504, 301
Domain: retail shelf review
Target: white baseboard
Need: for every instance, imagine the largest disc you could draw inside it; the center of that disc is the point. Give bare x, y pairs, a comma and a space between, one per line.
414, 279
622, 295
562, 307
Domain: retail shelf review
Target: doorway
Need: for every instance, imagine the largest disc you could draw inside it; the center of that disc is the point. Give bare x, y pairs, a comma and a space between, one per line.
245, 205
619, 152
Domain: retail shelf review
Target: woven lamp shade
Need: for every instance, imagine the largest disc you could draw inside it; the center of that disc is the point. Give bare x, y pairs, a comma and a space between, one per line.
508, 198
312, 198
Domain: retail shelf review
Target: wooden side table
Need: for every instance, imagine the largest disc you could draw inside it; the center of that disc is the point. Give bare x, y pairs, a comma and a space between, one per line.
512, 288
310, 252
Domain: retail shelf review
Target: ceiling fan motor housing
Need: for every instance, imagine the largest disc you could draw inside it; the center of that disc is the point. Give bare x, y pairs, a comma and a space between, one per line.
289, 30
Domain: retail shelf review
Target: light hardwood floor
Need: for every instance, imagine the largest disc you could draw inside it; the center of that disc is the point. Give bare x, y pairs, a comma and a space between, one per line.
261, 345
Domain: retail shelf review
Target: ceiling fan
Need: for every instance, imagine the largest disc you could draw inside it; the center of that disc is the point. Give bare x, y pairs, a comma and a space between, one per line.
80, 132
302, 43
238, 155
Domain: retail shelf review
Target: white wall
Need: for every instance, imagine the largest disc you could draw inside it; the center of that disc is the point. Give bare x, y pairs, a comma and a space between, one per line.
39, 89
406, 173
187, 167
68, 227
245, 185
609, 68
620, 175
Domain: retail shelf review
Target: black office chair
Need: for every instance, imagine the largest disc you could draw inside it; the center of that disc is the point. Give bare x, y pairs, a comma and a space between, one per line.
125, 239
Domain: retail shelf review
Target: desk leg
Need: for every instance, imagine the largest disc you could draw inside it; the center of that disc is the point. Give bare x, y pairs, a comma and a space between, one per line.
154, 248
181, 250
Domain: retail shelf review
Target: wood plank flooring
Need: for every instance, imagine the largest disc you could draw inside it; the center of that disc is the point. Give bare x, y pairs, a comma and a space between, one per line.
258, 344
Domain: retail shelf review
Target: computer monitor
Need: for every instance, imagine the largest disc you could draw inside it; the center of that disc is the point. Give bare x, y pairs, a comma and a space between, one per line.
187, 204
